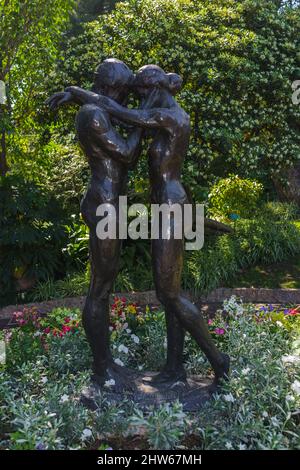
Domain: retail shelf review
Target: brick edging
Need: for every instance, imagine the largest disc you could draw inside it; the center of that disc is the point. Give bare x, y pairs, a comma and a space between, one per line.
249, 295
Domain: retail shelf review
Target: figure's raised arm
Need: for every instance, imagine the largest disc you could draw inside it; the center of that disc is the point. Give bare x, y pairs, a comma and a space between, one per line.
149, 118
71, 95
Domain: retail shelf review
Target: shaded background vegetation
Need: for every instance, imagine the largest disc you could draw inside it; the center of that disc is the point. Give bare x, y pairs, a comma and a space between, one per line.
238, 61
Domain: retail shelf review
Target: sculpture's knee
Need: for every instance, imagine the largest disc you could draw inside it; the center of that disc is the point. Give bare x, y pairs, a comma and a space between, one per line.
166, 295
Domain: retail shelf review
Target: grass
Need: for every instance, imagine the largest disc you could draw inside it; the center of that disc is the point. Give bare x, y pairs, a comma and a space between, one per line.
284, 275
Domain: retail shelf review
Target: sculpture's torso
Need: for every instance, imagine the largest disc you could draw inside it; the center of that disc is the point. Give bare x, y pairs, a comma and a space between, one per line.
166, 156
108, 176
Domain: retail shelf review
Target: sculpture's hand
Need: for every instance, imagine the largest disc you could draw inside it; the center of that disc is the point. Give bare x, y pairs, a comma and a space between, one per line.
58, 99
73, 89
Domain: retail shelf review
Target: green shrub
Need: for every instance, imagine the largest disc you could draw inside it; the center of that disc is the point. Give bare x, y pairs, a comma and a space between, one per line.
279, 211
234, 196
237, 61
253, 241
31, 234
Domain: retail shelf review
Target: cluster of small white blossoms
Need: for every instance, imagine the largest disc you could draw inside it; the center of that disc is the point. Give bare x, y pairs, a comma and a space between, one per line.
233, 306
122, 349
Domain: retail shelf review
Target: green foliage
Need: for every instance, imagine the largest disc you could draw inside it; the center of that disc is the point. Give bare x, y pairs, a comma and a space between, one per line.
237, 61
77, 248
164, 427
279, 211
65, 173
32, 233
254, 241
257, 409
30, 32
234, 195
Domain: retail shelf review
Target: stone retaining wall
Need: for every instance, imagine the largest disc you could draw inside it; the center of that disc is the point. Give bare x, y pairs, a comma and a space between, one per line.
210, 302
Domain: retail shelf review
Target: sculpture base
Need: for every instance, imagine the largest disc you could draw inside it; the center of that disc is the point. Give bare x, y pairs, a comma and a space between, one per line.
145, 393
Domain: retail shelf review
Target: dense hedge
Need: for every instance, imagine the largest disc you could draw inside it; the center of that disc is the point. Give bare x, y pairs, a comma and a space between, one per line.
238, 60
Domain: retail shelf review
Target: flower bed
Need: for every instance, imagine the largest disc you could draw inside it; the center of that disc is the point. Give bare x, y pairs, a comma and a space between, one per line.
48, 361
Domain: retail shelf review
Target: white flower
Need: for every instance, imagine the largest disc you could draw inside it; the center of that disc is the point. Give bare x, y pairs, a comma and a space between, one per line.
123, 349
109, 383
119, 362
140, 367
246, 371
290, 398
233, 306
242, 447
228, 445
135, 338
265, 414
289, 359
44, 380
279, 323
64, 398
86, 433
37, 333
296, 387
128, 331
275, 421
229, 398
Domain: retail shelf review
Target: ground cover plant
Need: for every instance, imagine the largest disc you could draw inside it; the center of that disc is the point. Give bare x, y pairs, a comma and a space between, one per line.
48, 360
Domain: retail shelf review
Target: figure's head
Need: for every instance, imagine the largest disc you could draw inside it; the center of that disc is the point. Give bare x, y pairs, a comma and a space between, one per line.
113, 79
152, 76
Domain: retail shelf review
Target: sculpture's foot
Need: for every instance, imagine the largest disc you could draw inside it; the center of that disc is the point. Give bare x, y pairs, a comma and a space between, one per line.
167, 376
115, 379
222, 375
116, 382
123, 371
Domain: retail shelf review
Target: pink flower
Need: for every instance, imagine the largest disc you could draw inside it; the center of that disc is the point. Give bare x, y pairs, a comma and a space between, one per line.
18, 315
294, 312
47, 330
219, 331
210, 322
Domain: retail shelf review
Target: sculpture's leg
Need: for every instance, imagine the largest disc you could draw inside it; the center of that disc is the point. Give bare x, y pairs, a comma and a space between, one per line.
168, 260
104, 256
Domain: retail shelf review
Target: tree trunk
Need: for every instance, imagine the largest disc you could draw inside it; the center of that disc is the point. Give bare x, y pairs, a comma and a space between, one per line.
3, 159
290, 192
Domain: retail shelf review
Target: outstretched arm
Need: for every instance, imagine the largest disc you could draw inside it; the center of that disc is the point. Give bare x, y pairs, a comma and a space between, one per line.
72, 95
149, 118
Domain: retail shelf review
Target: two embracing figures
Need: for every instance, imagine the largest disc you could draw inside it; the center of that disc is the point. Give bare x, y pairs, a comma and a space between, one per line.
166, 125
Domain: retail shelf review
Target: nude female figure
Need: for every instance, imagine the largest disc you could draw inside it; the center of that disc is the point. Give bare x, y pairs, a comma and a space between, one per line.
166, 155
109, 157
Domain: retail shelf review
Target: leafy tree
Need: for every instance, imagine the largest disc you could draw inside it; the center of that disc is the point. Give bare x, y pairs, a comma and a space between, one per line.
237, 60
30, 31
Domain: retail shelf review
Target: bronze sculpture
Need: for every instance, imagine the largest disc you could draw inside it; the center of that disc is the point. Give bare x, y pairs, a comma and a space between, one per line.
171, 131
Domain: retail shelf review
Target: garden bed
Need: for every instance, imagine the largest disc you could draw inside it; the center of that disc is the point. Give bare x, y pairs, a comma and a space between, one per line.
48, 362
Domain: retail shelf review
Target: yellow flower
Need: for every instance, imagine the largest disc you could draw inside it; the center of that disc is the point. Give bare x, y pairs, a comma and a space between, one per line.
131, 309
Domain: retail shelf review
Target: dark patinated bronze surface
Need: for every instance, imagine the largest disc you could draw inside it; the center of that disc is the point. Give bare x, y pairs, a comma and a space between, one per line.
109, 157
